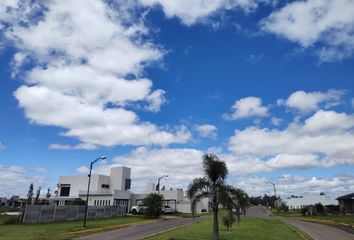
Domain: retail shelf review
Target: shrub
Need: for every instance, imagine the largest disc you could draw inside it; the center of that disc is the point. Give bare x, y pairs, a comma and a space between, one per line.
228, 220
319, 208
153, 203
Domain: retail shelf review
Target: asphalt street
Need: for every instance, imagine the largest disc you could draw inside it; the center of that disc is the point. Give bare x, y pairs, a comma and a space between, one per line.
320, 231
138, 231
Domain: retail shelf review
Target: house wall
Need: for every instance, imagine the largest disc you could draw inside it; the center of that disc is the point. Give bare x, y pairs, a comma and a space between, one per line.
296, 203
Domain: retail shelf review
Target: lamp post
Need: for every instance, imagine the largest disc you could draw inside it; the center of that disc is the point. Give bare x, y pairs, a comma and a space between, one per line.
88, 186
158, 183
275, 194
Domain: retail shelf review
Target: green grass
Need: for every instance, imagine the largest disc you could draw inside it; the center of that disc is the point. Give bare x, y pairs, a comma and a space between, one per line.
334, 218
56, 231
250, 228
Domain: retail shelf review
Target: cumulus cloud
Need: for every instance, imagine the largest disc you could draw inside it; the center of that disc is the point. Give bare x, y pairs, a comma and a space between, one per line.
324, 139
206, 130
328, 26
194, 11
288, 185
181, 164
80, 146
247, 107
307, 102
15, 180
83, 79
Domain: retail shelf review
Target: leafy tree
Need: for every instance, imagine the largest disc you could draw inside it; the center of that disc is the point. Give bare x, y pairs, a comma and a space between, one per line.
37, 194
30, 193
214, 187
153, 205
319, 208
48, 195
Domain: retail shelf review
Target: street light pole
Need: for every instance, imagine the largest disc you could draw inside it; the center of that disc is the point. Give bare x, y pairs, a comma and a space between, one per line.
275, 194
88, 186
158, 183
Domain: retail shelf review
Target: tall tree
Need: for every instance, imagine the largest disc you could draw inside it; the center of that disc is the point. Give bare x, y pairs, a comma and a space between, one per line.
214, 187
38, 194
30, 193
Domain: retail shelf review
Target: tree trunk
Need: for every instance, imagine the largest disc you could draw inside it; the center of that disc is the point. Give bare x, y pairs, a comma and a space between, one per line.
216, 220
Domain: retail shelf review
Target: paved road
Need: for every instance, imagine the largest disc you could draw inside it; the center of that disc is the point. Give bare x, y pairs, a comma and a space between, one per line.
320, 231
258, 211
138, 231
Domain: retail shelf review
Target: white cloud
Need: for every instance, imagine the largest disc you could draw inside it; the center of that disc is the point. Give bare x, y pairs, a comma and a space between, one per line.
306, 102
206, 130
15, 180
181, 164
287, 185
330, 23
276, 121
247, 107
85, 76
325, 139
82, 146
194, 11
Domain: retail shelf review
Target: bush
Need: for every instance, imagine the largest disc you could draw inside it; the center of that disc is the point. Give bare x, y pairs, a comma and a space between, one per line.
228, 220
319, 208
77, 201
153, 203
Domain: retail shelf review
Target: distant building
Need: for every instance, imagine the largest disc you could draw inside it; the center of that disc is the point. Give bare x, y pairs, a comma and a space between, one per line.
104, 190
297, 202
4, 202
346, 203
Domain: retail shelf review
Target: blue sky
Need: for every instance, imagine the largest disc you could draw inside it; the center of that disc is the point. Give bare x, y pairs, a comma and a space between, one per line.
154, 84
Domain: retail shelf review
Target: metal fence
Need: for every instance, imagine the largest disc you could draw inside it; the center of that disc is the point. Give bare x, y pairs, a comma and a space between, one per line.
53, 213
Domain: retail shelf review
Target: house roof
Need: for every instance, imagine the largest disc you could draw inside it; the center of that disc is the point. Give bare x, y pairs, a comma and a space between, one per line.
348, 196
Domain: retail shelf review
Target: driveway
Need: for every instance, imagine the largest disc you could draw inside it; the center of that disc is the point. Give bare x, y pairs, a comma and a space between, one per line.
139, 230
320, 231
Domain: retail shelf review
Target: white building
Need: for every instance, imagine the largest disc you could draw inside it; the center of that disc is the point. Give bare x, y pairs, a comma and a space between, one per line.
297, 202
104, 190
114, 190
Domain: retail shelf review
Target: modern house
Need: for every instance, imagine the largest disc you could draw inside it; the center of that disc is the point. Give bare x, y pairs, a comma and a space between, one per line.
114, 190
346, 203
104, 190
298, 202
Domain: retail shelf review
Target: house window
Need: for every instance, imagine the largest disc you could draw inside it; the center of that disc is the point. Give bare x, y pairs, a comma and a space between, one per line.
128, 182
106, 186
64, 190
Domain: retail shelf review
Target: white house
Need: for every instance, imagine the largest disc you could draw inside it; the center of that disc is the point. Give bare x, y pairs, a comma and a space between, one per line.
114, 190
297, 202
104, 190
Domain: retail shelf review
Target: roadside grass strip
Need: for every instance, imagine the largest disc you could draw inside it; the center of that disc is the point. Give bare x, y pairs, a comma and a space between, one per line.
299, 232
323, 221
108, 228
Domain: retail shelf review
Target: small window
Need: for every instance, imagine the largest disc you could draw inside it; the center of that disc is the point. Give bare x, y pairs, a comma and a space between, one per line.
106, 186
65, 190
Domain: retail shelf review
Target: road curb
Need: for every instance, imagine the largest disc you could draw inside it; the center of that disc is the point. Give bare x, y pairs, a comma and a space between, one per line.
167, 230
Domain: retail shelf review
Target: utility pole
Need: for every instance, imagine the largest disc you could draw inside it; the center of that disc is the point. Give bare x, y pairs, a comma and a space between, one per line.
275, 194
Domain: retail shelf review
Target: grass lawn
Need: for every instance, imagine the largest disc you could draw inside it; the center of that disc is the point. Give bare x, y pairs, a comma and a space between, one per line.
56, 231
334, 218
250, 228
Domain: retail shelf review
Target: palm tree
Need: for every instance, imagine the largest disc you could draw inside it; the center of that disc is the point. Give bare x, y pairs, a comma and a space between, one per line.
214, 187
